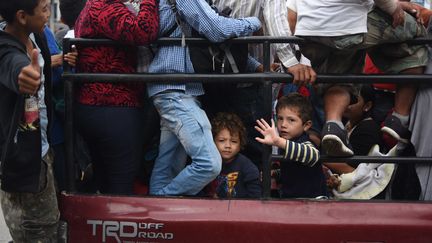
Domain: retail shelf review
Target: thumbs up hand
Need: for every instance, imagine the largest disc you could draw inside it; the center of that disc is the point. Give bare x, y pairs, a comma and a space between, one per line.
29, 78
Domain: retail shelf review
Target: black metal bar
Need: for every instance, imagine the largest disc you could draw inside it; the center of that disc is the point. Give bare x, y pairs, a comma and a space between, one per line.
243, 78
266, 150
249, 39
369, 159
69, 136
266, 56
263, 78
174, 41
66, 49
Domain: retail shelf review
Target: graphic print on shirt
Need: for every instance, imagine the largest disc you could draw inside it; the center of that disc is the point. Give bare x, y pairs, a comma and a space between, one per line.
30, 118
226, 185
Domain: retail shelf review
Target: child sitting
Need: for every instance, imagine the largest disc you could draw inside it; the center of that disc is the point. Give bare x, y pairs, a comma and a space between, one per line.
239, 177
301, 174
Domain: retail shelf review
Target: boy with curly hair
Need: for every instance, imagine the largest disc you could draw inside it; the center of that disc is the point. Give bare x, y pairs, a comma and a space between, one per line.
239, 177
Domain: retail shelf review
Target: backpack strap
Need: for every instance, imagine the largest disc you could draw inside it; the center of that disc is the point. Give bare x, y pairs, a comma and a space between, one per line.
178, 21
228, 55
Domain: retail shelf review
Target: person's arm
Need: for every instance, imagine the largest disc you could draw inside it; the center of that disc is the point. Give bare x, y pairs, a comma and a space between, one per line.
252, 64
56, 60
275, 16
292, 20
305, 153
120, 24
339, 168
10, 68
388, 6
394, 8
20, 74
214, 27
292, 14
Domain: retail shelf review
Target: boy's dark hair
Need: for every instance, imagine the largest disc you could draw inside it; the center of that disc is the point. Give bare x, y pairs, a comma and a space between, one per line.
9, 8
232, 122
296, 100
70, 10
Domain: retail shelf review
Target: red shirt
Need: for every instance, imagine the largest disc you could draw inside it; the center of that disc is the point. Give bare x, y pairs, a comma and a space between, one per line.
111, 19
370, 68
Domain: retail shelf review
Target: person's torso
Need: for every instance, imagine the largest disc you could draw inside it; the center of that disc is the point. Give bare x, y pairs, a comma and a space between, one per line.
105, 59
231, 182
299, 180
332, 18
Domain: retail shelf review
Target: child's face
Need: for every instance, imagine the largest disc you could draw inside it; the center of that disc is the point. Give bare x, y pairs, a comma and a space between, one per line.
228, 145
37, 21
289, 123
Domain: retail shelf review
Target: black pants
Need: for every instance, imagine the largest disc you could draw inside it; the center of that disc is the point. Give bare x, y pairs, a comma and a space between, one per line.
115, 139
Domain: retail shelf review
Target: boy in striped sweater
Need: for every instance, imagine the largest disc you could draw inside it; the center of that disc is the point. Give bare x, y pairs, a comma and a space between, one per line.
301, 173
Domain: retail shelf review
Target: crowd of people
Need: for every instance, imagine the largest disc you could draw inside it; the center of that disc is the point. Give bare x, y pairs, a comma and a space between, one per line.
211, 139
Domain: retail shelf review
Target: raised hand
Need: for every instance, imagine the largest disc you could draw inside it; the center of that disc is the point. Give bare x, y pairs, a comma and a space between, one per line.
29, 79
269, 132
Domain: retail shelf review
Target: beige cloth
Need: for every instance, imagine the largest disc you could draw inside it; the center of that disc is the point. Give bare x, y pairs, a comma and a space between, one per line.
367, 180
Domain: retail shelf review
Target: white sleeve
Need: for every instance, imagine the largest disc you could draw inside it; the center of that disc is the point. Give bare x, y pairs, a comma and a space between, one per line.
292, 4
276, 21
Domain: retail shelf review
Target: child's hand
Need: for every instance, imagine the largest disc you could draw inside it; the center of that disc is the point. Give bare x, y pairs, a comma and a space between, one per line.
269, 132
29, 79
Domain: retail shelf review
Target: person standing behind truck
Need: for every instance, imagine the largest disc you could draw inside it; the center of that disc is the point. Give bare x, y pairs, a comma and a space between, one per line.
185, 128
109, 115
28, 197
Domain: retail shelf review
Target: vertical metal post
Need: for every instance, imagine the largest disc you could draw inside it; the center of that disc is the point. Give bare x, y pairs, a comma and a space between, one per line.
69, 126
69, 137
66, 49
266, 155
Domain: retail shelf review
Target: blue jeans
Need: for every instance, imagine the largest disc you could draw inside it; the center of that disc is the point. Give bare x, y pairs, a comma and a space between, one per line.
185, 130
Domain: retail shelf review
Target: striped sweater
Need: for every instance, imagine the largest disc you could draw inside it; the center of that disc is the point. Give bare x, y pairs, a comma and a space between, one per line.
305, 152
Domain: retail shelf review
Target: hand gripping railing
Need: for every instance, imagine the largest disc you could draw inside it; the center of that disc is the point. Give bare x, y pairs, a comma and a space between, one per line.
266, 79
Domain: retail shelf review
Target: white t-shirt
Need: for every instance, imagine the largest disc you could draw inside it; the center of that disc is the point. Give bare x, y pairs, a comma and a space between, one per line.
43, 114
331, 17
292, 4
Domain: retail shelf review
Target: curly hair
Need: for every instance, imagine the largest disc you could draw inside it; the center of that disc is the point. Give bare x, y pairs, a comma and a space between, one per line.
231, 122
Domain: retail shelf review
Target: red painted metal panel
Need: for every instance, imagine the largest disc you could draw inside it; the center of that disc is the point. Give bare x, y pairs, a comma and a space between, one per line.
146, 219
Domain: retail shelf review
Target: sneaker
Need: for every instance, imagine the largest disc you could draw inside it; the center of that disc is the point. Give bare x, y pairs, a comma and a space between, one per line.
335, 141
394, 128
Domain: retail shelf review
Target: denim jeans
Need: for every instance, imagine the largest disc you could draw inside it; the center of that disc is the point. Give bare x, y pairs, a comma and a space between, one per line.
185, 130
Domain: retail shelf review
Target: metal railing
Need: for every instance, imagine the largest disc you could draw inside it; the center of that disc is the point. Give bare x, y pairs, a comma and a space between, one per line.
266, 79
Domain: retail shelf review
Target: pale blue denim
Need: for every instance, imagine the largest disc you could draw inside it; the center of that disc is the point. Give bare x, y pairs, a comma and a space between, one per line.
185, 130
